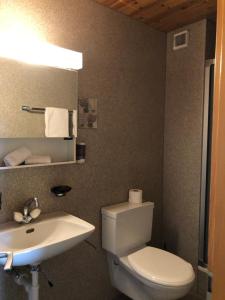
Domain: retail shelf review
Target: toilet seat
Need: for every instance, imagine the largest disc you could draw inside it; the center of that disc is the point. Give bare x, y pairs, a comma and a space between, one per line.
160, 267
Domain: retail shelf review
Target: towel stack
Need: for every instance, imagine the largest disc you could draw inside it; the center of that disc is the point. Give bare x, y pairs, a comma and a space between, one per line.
23, 155
17, 157
38, 159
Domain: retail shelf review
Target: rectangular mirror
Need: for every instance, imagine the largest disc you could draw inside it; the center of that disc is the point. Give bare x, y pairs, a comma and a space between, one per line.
35, 86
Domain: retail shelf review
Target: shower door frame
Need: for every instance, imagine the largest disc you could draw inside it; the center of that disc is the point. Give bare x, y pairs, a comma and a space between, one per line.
206, 162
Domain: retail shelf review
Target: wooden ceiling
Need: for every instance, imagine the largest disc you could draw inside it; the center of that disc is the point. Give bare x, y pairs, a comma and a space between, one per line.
164, 15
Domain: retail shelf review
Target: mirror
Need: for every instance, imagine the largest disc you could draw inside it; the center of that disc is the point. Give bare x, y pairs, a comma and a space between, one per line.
35, 86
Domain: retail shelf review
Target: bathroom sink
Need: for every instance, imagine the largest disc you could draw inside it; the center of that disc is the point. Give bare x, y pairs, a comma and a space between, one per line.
50, 235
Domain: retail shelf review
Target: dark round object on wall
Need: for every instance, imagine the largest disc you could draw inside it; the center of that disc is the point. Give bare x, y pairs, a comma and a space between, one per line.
60, 190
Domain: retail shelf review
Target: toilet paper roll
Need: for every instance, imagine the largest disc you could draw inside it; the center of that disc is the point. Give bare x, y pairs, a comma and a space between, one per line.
135, 196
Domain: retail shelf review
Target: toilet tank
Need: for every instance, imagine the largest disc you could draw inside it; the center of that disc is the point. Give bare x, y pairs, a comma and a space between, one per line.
126, 226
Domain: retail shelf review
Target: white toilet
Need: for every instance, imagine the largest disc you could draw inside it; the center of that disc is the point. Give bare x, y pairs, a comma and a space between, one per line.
139, 271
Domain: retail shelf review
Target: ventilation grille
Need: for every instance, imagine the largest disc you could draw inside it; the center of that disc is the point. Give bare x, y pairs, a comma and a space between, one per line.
180, 40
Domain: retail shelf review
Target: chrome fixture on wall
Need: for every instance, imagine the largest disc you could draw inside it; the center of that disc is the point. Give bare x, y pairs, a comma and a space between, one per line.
28, 214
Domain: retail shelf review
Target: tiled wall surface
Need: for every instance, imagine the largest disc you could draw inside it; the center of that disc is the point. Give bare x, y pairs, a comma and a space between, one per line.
124, 67
182, 143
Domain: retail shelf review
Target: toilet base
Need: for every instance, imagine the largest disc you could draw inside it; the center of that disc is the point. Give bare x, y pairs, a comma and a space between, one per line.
132, 287
125, 282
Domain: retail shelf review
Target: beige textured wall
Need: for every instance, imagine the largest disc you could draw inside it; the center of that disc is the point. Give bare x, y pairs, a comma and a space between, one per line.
182, 143
124, 67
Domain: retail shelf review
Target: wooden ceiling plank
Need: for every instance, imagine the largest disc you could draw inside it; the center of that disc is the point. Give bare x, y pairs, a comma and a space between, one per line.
140, 3
136, 5
164, 15
125, 6
121, 3
189, 15
182, 11
105, 2
161, 7
146, 3
184, 6
130, 7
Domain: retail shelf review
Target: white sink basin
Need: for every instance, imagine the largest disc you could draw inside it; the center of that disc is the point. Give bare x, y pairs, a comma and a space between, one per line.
50, 235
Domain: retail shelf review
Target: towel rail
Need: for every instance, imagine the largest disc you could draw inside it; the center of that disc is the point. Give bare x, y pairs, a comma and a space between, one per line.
37, 110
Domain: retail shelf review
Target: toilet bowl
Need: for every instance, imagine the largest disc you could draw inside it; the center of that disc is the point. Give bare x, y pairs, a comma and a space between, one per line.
162, 274
139, 271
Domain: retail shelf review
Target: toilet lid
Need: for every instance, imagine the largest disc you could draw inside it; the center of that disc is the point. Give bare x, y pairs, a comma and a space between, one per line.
161, 267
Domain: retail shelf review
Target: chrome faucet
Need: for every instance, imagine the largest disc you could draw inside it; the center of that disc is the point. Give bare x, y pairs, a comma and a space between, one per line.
31, 211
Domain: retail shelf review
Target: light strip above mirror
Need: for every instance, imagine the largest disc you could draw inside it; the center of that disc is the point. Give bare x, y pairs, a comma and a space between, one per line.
22, 39
39, 53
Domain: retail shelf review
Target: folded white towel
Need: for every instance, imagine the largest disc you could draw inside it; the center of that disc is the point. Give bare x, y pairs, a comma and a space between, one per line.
17, 157
56, 122
75, 123
38, 159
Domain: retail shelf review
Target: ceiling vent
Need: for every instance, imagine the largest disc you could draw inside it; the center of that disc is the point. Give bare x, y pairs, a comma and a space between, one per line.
180, 40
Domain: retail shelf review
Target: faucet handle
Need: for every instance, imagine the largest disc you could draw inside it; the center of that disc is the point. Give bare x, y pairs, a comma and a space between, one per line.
35, 213
18, 217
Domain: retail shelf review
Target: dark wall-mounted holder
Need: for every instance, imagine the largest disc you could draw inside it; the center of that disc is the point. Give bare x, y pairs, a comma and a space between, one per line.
60, 190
